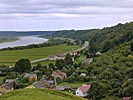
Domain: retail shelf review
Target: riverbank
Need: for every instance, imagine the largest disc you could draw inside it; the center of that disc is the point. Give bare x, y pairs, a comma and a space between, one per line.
23, 41
8, 39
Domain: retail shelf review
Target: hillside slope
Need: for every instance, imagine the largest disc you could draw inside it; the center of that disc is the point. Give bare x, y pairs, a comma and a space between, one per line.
101, 39
38, 94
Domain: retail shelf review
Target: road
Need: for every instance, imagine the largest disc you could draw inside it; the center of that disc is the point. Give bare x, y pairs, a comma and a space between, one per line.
86, 44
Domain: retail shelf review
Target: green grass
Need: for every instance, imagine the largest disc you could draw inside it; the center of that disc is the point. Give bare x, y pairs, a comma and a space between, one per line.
73, 85
80, 59
46, 62
1, 79
38, 94
10, 57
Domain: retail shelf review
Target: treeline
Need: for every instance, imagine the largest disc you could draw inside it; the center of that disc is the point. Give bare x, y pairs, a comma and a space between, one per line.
23, 33
101, 39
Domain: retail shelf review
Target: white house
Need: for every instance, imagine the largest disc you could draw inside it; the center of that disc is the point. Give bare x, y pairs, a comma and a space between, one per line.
98, 53
82, 91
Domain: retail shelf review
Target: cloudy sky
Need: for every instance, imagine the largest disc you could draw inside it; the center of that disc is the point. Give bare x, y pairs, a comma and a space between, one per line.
63, 14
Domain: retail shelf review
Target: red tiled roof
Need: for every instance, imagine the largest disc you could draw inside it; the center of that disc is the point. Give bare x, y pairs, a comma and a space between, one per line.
126, 98
85, 88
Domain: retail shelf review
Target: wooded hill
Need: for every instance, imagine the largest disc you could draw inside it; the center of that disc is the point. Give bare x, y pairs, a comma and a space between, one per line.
101, 39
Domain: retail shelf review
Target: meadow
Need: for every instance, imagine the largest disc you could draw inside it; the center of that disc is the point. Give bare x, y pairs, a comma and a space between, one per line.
38, 94
10, 57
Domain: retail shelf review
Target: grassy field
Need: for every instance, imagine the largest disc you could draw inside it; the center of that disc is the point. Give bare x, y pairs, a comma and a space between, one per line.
73, 85
46, 62
10, 57
38, 94
1, 79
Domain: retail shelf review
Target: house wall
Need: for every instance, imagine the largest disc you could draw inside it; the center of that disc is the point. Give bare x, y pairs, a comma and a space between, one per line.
80, 93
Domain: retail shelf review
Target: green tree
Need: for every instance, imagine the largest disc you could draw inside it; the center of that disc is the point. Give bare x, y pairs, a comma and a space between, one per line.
96, 92
23, 65
68, 59
60, 64
131, 46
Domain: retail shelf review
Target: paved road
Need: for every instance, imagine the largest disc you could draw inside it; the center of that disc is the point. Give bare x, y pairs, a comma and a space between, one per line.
86, 44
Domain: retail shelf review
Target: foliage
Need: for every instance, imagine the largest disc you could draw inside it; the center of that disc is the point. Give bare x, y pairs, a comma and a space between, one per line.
23, 65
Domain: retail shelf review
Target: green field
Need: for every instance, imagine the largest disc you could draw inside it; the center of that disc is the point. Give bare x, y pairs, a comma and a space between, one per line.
10, 57
73, 85
38, 94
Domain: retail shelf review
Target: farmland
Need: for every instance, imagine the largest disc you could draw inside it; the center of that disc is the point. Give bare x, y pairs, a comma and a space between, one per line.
10, 57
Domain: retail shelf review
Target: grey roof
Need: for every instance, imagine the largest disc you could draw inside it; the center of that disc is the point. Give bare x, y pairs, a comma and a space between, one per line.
8, 86
26, 75
38, 85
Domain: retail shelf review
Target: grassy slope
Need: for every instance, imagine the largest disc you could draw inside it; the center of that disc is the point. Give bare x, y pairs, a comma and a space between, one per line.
9, 57
38, 94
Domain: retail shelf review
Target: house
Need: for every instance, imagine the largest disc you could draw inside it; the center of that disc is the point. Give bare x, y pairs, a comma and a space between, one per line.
32, 77
82, 91
87, 60
39, 84
126, 98
48, 83
59, 74
7, 87
83, 74
61, 56
10, 80
43, 83
98, 53
73, 53
62, 88
52, 57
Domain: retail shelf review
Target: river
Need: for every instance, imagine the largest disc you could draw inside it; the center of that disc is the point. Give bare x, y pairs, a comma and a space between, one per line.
23, 41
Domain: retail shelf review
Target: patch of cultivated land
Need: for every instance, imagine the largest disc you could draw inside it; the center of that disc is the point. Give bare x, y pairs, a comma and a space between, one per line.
10, 57
38, 94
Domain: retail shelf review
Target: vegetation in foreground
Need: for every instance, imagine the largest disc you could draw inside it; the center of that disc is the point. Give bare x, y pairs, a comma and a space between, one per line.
38, 94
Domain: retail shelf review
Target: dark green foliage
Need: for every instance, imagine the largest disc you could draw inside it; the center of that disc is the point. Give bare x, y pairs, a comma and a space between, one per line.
68, 59
23, 65
97, 91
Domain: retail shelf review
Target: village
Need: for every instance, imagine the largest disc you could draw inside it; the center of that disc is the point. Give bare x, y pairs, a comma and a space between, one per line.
57, 74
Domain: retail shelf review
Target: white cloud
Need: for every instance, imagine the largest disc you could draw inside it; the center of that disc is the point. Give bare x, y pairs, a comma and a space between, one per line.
66, 12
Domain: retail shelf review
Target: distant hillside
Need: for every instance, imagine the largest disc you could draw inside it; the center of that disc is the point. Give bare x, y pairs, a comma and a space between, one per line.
26, 33
38, 94
101, 39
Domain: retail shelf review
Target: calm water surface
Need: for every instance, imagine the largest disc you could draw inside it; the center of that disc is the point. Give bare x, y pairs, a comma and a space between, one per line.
23, 41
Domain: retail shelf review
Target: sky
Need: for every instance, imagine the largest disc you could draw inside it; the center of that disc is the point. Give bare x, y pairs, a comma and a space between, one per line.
29, 15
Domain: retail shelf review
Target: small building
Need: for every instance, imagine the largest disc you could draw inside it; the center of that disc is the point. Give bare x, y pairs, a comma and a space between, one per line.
52, 57
82, 91
62, 88
59, 74
98, 53
73, 53
83, 74
7, 87
43, 83
32, 77
126, 98
61, 56
10, 80
87, 60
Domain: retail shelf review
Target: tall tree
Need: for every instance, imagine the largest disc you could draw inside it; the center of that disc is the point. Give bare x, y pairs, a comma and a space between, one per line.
23, 65
68, 59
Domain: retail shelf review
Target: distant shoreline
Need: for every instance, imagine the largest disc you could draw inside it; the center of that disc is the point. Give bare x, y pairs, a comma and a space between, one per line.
23, 41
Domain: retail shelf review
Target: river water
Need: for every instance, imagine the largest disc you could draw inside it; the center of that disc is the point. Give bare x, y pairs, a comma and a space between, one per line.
23, 41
